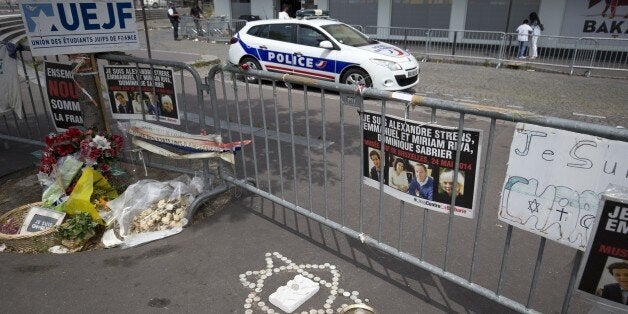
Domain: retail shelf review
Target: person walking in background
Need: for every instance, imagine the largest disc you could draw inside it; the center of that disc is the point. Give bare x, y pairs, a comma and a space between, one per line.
283, 15
537, 27
196, 14
173, 16
524, 31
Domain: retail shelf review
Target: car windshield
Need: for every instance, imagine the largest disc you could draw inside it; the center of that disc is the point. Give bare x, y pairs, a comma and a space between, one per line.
347, 35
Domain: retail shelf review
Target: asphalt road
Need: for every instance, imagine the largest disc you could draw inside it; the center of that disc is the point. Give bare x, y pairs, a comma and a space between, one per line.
593, 99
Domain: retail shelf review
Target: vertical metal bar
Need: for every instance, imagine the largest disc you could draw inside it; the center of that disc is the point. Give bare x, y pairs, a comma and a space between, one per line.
360, 101
596, 47
294, 158
224, 97
402, 203
199, 100
401, 214
381, 179
342, 162
139, 87
324, 118
572, 280
239, 119
146, 30
41, 94
427, 43
248, 102
454, 190
453, 45
425, 210
278, 139
30, 95
504, 258
267, 152
309, 150
227, 114
405, 38
573, 60
535, 275
487, 165
502, 48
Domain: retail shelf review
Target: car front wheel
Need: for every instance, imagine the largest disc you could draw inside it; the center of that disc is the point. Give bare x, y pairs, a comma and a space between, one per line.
357, 76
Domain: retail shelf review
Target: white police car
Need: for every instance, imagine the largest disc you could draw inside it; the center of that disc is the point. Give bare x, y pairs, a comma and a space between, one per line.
323, 49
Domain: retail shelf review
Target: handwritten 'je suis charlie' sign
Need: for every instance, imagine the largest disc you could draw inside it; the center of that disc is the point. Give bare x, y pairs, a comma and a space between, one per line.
555, 179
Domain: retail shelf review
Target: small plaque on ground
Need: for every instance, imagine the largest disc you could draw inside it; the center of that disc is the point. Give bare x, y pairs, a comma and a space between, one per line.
39, 219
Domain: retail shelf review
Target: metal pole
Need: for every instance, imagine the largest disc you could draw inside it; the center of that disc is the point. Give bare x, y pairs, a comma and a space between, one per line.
150, 56
508, 17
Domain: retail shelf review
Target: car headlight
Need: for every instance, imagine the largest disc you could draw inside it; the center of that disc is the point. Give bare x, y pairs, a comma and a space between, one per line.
393, 66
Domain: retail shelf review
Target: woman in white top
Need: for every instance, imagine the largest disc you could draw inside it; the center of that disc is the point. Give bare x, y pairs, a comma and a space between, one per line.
397, 177
283, 15
537, 27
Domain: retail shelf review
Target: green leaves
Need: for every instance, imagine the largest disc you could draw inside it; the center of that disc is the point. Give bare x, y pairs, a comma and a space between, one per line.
77, 227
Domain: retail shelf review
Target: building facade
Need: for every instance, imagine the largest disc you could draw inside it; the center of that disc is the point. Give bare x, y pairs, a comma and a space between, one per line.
576, 18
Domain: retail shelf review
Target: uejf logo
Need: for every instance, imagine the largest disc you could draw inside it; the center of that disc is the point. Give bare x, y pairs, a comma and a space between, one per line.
40, 13
51, 18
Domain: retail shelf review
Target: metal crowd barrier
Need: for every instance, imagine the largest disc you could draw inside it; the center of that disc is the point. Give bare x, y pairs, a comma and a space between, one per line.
213, 29
306, 155
37, 121
604, 55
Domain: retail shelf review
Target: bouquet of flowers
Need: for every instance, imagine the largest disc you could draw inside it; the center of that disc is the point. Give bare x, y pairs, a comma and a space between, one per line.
67, 152
93, 149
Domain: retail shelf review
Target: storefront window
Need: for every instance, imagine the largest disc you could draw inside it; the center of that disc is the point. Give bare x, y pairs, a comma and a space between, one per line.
491, 15
421, 13
354, 12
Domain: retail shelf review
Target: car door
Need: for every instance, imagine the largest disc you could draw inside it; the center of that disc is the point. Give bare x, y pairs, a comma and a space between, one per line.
276, 52
311, 60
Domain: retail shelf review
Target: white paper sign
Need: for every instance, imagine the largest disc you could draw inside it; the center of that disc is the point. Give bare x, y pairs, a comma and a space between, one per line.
70, 26
40, 219
555, 179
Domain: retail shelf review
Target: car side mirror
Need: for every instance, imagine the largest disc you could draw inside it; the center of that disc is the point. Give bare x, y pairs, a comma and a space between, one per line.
326, 44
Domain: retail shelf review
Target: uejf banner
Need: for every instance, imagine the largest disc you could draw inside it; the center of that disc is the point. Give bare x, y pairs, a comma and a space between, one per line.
555, 179
69, 26
64, 106
604, 273
136, 92
418, 160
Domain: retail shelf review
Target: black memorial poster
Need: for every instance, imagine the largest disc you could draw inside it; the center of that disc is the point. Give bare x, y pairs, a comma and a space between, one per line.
417, 164
65, 108
136, 92
605, 271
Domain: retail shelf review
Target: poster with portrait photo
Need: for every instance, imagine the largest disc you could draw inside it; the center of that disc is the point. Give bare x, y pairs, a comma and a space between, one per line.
603, 276
138, 92
417, 162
